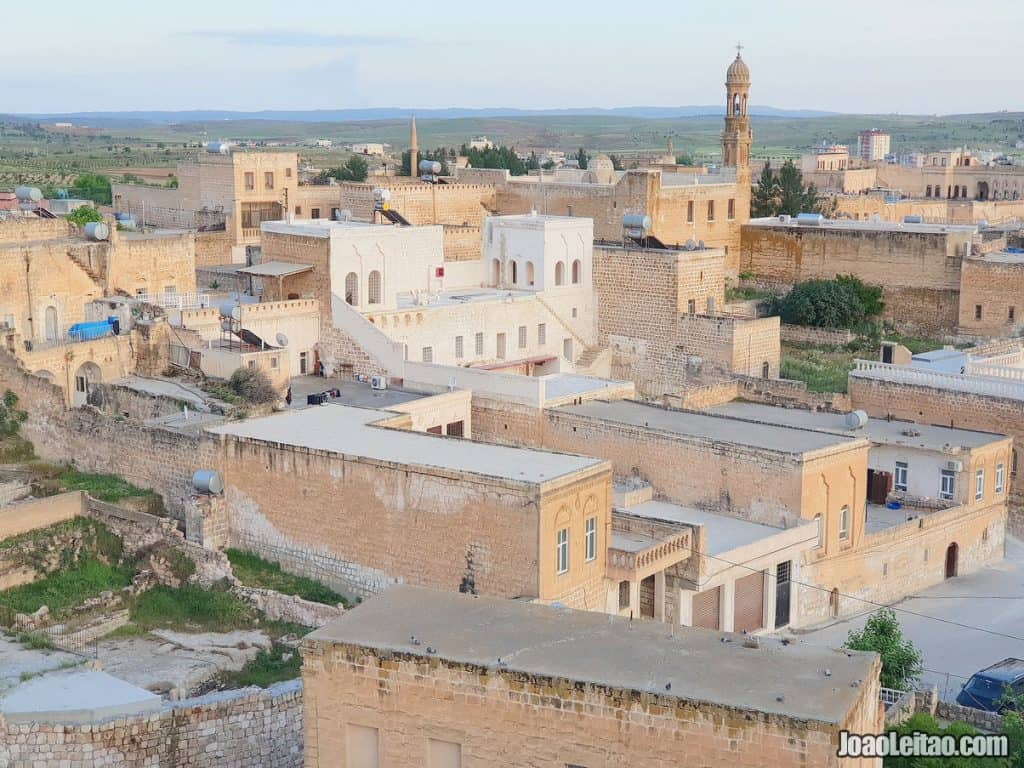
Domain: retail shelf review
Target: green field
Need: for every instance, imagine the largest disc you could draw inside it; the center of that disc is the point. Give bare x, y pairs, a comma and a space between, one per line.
33, 155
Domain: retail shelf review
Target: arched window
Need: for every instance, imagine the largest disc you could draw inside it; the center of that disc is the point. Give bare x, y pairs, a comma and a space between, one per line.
577, 267
560, 273
373, 287
1013, 463
928, 191
515, 273
51, 323
529, 273
352, 289
495, 272
765, 370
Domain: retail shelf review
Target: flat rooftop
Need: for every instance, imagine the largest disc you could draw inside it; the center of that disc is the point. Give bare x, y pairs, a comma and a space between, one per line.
325, 227
356, 393
80, 696
454, 297
927, 437
595, 648
724, 533
567, 384
720, 429
348, 430
1000, 257
865, 226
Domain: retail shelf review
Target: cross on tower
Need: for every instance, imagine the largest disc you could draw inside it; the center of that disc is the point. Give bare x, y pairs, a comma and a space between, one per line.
739, 47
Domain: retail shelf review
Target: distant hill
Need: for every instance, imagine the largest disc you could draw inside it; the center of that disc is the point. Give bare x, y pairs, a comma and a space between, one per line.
393, 113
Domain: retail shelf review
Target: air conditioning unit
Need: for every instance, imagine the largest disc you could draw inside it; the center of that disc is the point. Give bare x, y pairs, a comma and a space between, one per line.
378, 382
955, 466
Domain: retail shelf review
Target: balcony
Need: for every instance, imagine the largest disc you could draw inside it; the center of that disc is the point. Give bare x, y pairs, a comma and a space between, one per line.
634, 556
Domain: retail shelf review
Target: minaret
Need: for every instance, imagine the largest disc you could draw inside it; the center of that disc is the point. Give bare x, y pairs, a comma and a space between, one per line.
414, 151
737, 136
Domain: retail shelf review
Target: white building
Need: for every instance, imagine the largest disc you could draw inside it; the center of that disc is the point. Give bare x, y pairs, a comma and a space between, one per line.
480, 142
370, 148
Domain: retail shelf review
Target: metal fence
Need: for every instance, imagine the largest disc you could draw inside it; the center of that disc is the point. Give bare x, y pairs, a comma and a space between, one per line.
889, 696
52, 635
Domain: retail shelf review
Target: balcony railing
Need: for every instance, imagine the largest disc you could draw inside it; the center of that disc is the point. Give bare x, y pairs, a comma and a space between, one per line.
175, 300
664, 554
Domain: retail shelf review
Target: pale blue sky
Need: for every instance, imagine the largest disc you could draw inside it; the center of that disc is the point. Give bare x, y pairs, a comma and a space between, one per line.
923, 56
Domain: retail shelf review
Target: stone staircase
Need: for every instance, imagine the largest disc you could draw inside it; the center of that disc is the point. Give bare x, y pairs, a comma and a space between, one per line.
595, 361
83, 260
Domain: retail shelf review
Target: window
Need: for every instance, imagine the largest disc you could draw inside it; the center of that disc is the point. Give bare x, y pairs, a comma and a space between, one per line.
947, 484
928, 191
250, 181
820, 531
977, 311
436, 430
252, 363
315, 213
844, 523
479, 346
458, 347
373, 287
428, 354
689, 212
80, 384
268, 179
171, 289
542, 333
691, 307
298, 210
287, 173
363, 746
623, 595
979, 485
591, 538
273, 362
455, 429
522, 337
1013, 464
900, 477
560, 273
562, 551
529, 273
765, 370
1000, 477
444, 754
352, 289
711, 210
574, 313
577, 267
1011, 313
500, 344
731, 210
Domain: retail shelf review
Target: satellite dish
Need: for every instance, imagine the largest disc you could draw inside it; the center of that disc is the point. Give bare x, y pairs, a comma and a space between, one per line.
236, 312
225, 324
690, 245
282, 340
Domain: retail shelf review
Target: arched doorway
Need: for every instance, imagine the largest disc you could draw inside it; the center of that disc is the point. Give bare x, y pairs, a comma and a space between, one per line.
983, 190
495, 272
952, 557
51, 323
87, 377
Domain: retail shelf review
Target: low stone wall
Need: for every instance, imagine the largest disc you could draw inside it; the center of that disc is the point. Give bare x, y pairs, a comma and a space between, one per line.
803, 334
790, 393
232, 729
278, 607
986, 721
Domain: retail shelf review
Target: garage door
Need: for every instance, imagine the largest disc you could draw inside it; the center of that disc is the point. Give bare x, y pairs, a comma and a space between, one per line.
748, 614
705, 608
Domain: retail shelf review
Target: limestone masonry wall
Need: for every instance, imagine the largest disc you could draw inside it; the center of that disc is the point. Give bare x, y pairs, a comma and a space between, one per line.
232, 729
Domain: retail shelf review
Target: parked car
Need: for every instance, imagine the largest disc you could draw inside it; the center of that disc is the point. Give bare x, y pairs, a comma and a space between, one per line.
986, 689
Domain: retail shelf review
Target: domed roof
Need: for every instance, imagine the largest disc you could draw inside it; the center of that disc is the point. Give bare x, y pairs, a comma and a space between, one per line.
738, 71
600, 163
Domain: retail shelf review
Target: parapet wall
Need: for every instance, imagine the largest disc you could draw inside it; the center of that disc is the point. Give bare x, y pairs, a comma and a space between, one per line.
231, 729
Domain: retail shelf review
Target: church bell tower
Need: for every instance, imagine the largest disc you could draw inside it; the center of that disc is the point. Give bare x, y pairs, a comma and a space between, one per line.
737, 136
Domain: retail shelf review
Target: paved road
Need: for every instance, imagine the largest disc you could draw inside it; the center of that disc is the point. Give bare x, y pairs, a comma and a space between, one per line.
992, 598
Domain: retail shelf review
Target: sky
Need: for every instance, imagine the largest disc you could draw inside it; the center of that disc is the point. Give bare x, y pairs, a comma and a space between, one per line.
906, 56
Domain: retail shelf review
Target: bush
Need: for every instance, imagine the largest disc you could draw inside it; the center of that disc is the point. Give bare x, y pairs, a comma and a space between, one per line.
253, 385
253, 571
191, 607
870, 295
279, 663
822, 304
901, 661
82, 216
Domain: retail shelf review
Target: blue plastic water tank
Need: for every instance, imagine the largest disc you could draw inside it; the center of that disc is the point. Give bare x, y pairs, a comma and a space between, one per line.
89, 331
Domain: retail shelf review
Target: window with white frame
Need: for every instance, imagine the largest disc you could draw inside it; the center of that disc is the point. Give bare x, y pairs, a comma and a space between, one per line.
458, 346
542, 334
979, 485
591, 538
479, 344
562, 551
428, 354
819, 530
947, 484
844, 523
1000, 477
522, 337
900, 477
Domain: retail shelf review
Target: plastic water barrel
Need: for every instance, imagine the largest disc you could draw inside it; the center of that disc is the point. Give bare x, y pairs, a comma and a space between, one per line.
208, 481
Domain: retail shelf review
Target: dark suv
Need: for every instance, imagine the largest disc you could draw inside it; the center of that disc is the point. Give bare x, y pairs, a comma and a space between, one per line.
986, 689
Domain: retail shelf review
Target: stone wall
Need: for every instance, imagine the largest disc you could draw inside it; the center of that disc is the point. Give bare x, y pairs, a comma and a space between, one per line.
410, 707
803, 334
213, 248
992, 297
232, 729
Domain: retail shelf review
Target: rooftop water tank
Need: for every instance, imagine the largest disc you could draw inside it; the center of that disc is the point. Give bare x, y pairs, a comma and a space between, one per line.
219, 148
381, 195
208, 481
856, 419
636, 221
28, 194
810, 219
97, 230
430, 167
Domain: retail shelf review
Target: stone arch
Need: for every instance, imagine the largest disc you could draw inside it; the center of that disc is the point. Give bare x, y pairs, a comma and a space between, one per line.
44, 374
373, 287
87, 377
577, 268
983, 190
560, 273
496, 272
530, 276
515, 273
352, 289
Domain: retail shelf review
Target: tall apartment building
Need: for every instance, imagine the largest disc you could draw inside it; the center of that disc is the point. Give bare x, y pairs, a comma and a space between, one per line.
873, 145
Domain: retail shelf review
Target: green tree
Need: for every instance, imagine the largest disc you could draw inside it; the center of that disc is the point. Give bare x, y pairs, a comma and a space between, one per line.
440, 155
495, 157
617, 162
82, 216
925, 723
582, 158
354, 169
11, 418
870, 295
901, 660
532, 162
821, 304
92, 186
685, 159
785, 192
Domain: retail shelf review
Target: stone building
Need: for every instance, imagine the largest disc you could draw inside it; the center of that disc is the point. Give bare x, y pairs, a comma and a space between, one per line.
699, 206
415, 677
